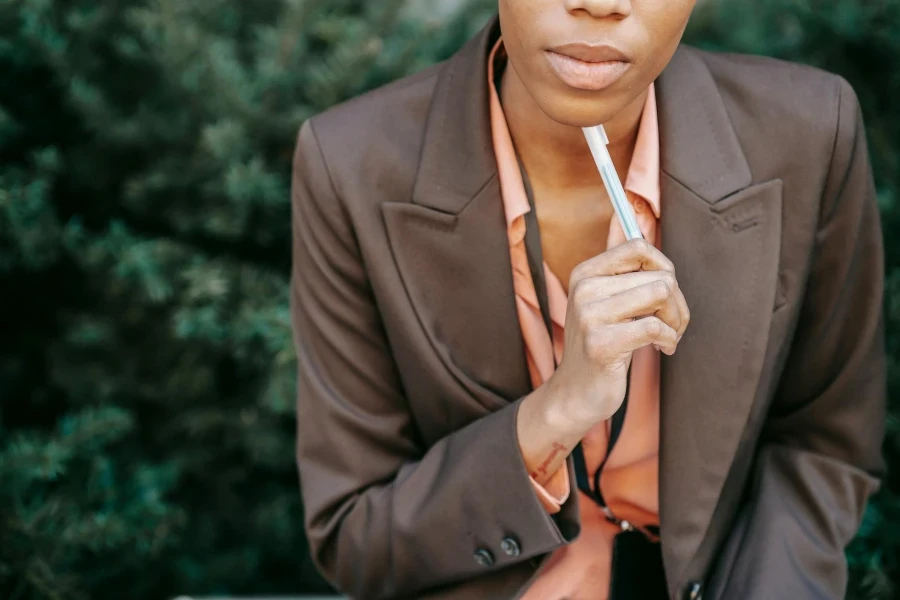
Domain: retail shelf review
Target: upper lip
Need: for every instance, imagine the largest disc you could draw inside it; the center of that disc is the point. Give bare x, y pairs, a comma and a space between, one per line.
591, 53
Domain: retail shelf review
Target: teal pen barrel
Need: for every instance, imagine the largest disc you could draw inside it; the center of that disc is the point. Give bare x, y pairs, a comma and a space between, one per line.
620, 202
597, 140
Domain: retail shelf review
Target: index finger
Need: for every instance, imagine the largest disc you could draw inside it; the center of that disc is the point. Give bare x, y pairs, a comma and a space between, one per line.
634, 255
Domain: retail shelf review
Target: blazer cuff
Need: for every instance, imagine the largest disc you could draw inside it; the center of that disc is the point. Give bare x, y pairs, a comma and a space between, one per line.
497, 486
554, 493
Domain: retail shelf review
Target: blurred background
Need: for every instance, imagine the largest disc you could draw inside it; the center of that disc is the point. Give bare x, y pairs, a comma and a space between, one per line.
146, 366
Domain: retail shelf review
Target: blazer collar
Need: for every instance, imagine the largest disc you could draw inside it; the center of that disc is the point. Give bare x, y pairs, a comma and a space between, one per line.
458, 154
458, 159
700, 149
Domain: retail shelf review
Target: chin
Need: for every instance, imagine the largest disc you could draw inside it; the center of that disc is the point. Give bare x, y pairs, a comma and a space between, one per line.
580, 112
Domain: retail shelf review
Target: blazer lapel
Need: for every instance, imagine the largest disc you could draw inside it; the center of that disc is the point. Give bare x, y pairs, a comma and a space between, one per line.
450, 243
723, 235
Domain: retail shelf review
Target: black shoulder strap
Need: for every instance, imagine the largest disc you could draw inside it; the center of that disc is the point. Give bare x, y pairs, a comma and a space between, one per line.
536, 265
536, 256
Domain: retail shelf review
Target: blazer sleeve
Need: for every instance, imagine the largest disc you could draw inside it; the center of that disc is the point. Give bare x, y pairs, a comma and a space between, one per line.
820, 455
385, 516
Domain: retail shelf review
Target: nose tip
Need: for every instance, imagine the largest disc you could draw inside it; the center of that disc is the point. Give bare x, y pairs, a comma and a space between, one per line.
600, 8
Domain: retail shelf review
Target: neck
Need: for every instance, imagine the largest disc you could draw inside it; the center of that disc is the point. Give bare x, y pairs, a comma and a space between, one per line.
558, 153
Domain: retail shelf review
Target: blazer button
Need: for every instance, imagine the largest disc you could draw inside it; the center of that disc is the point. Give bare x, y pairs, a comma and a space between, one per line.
511, 546
484, 557
694, 591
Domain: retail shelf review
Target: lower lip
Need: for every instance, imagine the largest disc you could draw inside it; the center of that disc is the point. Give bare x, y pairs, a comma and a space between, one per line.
582, 75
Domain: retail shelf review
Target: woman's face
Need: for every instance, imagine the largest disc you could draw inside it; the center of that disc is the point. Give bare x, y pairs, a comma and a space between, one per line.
583, 61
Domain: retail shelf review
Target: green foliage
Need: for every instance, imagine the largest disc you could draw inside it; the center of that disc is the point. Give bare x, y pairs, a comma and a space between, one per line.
146, 370
146, 367
59, 525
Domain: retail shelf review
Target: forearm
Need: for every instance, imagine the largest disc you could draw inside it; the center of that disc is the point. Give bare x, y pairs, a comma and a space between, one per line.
423, 526
547, 430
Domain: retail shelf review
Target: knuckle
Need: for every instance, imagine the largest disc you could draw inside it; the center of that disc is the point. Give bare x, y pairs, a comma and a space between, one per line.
660, 289
643, 246
668, 265
669, 278
582, 291
576, 276
573, 279
653, 326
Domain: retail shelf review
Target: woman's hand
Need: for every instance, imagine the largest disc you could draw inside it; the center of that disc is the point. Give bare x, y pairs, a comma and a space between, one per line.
619, 301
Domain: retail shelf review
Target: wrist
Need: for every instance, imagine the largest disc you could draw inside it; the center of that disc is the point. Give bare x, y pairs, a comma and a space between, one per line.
574, 406
567, 410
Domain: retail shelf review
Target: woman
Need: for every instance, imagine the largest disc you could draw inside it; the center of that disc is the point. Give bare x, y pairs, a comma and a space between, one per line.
463, 379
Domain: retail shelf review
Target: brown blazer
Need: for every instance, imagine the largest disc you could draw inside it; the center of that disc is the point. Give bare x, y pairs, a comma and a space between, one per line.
411, 362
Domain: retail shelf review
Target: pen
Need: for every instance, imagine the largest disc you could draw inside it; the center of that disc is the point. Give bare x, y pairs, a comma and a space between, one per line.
597, 141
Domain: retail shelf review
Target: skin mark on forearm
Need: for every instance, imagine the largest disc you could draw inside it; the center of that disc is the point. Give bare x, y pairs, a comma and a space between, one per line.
542, 469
